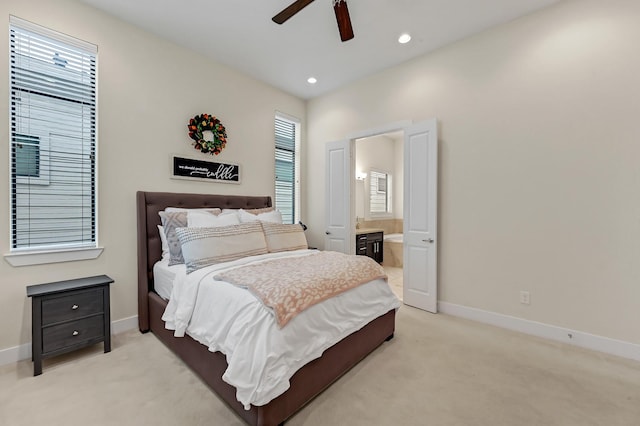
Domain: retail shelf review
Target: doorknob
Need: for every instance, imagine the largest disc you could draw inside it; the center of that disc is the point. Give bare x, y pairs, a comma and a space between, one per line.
430, 240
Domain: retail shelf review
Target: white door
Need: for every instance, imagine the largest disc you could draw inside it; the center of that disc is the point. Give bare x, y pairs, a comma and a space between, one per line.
338, 203
420, 221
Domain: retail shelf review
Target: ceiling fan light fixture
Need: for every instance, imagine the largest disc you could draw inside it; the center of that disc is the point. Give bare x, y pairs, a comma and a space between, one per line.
339, 7
404, 38
312, 80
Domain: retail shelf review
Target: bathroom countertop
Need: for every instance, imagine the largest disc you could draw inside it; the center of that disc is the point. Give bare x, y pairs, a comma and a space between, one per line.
361, 231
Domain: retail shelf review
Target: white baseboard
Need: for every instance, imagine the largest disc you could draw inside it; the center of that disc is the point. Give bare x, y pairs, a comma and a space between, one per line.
573, 337
125, 324
15, 354
18, 353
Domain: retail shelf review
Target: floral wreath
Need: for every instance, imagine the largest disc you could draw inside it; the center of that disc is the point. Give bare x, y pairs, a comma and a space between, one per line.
201, 123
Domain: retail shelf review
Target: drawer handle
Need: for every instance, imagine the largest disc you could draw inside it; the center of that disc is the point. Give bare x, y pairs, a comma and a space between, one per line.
75, 333
74, 307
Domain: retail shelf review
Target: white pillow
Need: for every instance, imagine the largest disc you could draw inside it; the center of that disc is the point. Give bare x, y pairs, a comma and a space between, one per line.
203, 219
273, 216
163, 240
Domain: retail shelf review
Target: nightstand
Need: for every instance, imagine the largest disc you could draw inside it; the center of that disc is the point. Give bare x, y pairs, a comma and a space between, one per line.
69, 315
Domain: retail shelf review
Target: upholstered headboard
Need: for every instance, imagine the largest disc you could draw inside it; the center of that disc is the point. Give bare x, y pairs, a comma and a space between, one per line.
149, 245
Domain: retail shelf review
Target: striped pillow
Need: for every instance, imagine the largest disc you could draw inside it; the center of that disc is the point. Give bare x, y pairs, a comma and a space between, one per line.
175, 217
207, 246
281, 237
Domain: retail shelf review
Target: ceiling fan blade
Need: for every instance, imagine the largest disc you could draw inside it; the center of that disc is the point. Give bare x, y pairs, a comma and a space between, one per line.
291, 10
343, 19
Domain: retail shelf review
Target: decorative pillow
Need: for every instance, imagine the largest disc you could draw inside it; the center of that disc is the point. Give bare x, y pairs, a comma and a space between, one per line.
163, 240
215, 210
207, 246
281, 237
204, 219
252, 211
262, 210
171, 221
271, 216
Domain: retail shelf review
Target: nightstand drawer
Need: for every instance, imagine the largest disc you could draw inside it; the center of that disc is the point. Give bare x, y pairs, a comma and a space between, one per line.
72, 333
71, 306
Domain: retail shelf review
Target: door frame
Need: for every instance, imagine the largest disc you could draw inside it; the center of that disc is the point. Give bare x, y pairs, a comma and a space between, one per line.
424, 243
387, 128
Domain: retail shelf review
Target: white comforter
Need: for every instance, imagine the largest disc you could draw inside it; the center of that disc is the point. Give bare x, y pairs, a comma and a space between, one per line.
261, 356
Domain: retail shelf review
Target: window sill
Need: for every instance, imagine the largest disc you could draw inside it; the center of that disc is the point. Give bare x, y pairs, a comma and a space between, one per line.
377, 216
43, 257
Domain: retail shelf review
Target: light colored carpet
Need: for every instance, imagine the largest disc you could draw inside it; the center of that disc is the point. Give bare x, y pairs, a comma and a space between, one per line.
438, 370
395, 279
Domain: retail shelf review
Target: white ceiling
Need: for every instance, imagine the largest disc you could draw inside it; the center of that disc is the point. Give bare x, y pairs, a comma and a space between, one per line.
241, 35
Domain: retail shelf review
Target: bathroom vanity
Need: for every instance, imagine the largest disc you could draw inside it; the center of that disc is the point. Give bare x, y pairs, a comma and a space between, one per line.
369, 242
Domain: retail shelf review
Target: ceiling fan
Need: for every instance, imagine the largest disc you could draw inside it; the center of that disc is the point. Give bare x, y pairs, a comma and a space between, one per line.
339, 7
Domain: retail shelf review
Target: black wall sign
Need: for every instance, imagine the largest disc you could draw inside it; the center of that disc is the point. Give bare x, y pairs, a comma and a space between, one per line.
188, 168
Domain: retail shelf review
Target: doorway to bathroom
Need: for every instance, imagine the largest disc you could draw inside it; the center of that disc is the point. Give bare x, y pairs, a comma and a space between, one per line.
378, 183
420, 196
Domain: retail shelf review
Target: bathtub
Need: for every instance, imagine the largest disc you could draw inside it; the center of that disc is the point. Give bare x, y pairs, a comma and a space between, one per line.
395, 238
392, 250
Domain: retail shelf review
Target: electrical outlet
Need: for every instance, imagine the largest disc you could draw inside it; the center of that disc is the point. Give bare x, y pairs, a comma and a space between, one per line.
525, 298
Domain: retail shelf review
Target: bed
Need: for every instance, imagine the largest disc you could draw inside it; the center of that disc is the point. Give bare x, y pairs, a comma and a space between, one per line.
305, 384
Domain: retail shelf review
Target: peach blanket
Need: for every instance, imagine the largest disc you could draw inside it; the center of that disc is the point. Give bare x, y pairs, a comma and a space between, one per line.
289, 286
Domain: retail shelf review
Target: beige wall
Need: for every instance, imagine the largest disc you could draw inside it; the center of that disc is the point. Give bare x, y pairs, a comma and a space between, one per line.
539, 162
148, 89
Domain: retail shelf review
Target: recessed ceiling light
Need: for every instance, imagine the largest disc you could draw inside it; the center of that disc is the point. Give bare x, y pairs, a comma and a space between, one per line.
404, 38
312, 80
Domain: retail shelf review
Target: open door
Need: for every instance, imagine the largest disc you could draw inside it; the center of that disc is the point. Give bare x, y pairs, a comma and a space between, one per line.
420, 287
338, 202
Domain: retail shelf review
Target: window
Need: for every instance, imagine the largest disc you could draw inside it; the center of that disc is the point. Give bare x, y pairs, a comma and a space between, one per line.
53, 139
287, 136
380, 193
26, 151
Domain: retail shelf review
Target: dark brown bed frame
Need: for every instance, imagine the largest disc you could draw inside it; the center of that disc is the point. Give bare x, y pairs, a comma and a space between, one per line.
306, 383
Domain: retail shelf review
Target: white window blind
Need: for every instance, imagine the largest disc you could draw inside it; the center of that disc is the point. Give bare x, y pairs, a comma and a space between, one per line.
53, 139
379, 195
286, 170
